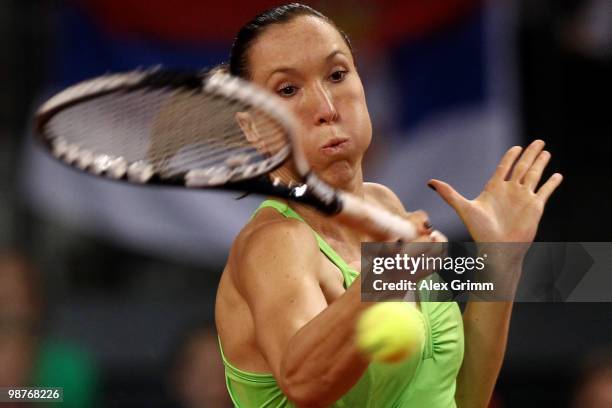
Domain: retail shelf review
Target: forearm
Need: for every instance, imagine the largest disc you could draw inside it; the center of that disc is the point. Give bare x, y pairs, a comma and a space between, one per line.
321, 361
486, 322
486, 327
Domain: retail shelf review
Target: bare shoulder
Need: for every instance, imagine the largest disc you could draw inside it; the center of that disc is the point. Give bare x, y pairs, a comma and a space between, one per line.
270, 288
383, 196
270, 243
269, 229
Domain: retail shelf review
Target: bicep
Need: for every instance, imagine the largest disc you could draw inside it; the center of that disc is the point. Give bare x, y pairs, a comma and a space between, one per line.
280, 284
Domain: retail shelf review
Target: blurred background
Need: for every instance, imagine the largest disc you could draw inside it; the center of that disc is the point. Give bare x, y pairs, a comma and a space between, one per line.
108, 289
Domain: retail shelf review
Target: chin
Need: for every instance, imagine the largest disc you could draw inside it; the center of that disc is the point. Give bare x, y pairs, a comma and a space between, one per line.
339, 174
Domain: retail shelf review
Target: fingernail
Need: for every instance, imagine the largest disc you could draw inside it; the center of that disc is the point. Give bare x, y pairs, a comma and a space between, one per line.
432, 187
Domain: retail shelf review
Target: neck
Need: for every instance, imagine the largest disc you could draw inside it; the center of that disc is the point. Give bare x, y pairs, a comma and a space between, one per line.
329, 226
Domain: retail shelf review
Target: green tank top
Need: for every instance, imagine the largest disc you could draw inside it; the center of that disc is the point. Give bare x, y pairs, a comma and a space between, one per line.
425, 380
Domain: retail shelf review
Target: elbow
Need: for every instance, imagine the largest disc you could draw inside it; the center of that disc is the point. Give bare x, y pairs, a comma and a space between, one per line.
301, 398
318, 382
304, 393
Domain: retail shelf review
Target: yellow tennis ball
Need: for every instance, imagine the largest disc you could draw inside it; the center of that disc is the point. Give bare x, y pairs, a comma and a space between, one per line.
390, 332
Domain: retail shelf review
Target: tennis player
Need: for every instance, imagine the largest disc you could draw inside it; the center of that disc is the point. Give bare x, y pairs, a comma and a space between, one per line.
289, 296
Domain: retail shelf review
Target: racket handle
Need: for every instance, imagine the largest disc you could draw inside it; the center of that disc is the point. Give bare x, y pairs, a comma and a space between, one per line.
374, 220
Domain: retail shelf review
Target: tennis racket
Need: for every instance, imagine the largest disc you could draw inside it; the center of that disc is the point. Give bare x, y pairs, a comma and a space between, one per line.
197, 130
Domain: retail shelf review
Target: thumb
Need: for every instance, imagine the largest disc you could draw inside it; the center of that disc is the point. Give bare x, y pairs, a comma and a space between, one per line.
448, 194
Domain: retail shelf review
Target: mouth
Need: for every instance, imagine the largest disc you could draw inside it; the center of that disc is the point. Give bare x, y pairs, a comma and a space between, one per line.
335, 145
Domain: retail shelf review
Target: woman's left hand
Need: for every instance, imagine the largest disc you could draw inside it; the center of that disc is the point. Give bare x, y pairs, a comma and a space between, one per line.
510, 207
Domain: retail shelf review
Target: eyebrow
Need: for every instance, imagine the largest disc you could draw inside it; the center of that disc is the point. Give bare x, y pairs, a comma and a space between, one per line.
293, 70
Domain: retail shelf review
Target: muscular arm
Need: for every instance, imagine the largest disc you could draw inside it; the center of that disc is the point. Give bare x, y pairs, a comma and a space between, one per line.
307, 344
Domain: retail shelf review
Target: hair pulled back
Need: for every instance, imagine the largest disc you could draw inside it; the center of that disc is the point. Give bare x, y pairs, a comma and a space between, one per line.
248, 34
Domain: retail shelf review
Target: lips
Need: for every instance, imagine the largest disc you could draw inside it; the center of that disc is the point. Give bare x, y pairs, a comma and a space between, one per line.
335, 145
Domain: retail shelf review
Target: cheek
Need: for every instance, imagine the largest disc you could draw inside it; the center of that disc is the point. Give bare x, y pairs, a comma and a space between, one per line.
357, 118
310, 146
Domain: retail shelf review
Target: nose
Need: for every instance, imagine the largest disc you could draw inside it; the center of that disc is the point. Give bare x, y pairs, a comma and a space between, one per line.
324, 109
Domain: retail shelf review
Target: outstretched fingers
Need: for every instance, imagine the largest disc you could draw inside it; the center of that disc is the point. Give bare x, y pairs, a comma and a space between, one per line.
448, 194
534, 174
527, 160
505, 165
549, 187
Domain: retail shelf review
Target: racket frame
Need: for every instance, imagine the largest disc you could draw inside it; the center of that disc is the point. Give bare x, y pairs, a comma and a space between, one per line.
315, 192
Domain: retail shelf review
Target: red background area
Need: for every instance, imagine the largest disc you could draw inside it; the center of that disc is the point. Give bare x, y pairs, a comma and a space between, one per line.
198, 21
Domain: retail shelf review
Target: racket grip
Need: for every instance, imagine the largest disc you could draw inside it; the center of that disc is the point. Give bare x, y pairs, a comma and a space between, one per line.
372, 219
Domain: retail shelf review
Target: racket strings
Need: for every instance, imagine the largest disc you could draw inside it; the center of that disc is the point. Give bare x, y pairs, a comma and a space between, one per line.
172, 131
203, 153
163, 144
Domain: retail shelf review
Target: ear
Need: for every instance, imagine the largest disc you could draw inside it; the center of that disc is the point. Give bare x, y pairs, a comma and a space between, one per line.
248, 127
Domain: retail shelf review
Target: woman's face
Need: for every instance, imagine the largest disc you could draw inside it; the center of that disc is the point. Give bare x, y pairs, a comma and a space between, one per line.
309, 66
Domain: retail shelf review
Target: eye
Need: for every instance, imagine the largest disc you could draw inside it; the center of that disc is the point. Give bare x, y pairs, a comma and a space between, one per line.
287, 90
338, 76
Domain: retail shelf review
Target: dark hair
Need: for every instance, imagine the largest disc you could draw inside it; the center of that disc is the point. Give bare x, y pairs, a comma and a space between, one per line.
254, 28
